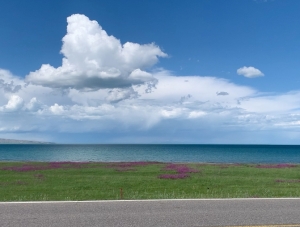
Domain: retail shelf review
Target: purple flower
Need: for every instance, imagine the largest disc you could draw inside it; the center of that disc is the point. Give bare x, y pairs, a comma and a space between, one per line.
180, 169
50, 165
128, 166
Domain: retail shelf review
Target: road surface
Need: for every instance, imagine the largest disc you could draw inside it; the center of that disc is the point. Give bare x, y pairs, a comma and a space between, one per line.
175, 213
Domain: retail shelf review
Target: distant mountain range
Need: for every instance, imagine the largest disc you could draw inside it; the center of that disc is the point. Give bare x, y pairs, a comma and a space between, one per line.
10, 141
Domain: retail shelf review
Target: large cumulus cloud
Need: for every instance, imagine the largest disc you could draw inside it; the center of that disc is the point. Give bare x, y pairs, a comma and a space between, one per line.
93, 59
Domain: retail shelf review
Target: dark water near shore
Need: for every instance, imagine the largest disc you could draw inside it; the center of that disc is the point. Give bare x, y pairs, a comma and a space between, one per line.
160, 153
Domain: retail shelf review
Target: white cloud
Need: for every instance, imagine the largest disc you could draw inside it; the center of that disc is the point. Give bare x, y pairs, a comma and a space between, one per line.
94, 60
249, 72
116, 95
279, 103
15, 103
9, 85
107, 88
176, 110
56, 109
33, 104
201, 89
222, 93
196, 114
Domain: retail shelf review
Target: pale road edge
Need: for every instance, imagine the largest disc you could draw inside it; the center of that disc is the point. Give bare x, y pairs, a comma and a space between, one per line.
145, 200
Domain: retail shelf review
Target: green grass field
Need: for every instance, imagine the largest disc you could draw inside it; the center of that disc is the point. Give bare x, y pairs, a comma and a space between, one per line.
143, 180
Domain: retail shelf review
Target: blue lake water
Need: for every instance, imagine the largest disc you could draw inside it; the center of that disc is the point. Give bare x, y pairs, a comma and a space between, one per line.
160, 153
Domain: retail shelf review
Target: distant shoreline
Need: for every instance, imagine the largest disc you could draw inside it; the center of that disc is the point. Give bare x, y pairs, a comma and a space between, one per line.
12, 141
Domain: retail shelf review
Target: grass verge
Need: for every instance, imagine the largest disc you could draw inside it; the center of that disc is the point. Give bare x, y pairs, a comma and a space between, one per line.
145, 180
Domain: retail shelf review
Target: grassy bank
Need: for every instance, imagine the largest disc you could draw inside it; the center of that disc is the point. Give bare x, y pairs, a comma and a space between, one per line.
144, 180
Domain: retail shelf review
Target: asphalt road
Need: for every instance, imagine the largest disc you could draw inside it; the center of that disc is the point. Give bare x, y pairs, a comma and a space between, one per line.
175, 213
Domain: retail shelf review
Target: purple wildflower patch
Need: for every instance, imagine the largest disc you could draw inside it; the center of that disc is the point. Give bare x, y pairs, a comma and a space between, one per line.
50, 165
128, 166
25, 168
180, 168
182, 171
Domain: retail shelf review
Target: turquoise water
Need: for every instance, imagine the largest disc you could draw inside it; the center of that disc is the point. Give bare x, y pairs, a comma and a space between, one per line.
160, 153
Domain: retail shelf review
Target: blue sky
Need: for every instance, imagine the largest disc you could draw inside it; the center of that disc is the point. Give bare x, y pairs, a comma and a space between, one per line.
134, 71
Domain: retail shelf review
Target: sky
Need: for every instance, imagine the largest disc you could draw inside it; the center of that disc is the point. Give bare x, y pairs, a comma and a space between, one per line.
151, 71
